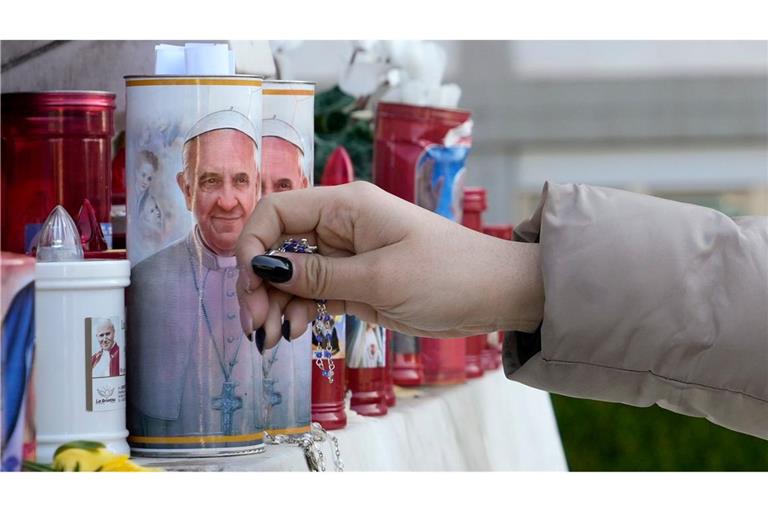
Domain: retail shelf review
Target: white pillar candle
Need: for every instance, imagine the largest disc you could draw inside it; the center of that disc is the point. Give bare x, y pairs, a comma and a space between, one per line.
79, 374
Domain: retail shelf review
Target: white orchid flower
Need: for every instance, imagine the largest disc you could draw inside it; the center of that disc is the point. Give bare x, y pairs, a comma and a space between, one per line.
284, 46
366, 71
368, 45
362, 78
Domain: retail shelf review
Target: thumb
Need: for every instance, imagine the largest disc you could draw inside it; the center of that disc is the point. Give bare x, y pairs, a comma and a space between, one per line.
313, 276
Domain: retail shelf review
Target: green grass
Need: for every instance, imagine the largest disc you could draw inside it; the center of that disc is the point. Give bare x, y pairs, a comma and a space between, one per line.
600, 436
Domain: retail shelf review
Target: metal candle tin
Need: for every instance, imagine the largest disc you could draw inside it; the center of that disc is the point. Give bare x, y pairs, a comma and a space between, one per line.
193, 177
287, 163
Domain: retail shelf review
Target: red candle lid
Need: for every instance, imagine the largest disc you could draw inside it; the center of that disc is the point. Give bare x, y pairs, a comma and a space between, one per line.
25, 101
423, 114
338, 169
474, 199
57, 113
499, 230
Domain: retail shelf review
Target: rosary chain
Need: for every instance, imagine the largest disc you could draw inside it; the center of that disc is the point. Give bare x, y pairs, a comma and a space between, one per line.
322, 331
309, 443
322, 326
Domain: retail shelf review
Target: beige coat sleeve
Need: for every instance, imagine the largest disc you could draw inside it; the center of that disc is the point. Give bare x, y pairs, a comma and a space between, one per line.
649, 301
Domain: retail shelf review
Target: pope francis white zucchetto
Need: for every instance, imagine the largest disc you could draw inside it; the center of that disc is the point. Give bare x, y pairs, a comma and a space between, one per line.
222, 119
274, 127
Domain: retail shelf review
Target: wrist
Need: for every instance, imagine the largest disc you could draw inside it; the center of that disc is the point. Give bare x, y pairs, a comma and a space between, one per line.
520, 307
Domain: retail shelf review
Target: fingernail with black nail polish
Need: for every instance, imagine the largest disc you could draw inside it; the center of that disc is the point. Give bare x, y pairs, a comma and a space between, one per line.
260, 335
275, 269
286, 330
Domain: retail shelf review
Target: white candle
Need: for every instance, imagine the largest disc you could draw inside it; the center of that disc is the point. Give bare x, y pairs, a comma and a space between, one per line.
80, 342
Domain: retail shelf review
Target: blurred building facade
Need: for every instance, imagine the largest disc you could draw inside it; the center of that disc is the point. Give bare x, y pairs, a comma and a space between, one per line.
678, 119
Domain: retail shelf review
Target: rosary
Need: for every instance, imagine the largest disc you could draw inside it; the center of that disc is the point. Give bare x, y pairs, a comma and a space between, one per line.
309, 443
322, 325
322, 334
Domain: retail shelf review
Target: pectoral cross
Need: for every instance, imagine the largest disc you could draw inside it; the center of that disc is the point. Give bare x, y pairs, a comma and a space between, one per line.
227, 402
273, 397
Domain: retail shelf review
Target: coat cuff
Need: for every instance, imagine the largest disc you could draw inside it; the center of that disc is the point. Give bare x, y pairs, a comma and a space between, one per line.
518, 347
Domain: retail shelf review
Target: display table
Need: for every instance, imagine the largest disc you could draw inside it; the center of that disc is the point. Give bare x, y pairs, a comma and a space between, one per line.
487, 424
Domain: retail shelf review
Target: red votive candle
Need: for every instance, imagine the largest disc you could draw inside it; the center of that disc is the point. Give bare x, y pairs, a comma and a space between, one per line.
56, 149
328, 397
366, 358
444, 360
407, 368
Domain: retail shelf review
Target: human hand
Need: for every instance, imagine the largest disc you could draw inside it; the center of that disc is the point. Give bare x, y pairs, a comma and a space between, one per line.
385, 261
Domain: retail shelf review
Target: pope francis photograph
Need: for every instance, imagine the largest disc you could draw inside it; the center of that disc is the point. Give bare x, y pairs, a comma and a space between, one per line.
192, 372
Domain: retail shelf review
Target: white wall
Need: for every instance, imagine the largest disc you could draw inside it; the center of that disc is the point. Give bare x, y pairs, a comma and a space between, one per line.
610, 59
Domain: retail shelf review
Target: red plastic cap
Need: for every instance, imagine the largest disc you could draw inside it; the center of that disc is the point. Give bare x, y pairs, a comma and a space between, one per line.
35, 101
58, 113
499, 230
338, 169
423, 114
475, 199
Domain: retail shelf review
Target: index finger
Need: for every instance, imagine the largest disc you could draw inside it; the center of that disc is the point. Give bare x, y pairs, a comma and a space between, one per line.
285, 213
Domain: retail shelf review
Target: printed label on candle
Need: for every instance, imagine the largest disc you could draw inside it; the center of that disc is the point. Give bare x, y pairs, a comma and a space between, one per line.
104, 363
366, 346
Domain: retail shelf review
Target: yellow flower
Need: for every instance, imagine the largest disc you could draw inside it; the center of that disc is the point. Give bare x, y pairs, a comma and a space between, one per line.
90, 456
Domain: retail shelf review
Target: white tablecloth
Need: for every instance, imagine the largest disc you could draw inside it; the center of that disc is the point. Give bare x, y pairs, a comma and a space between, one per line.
487, 424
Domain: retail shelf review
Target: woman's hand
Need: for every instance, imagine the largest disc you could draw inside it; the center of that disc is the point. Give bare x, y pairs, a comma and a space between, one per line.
385, 261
